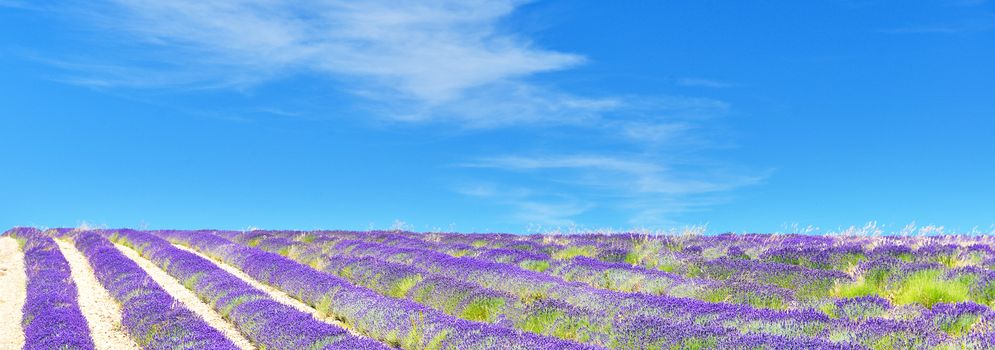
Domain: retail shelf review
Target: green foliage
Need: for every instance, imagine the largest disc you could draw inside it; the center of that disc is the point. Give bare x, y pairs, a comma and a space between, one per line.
415, 339
960, 325
285, 251
453, 302
535, 265
765, 302
927, 287
538, 322
459, 253
644, 252
872, 282
422, 293
857, 289
324, 304
191, 281
830, 309
483, 309
400, 288
254, 242
696, 343
716, 295
984, 293
575, 251
621, 280
346, 271
847, 261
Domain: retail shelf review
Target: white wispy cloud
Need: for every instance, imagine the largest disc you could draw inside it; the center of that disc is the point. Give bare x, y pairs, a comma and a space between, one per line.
414, 60
529, 206
641, 176
653, 191
449, 61
409, 61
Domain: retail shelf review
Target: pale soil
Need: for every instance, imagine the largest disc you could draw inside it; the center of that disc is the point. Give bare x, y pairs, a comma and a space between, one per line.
102, 312
188, 298
13, 290
274, 293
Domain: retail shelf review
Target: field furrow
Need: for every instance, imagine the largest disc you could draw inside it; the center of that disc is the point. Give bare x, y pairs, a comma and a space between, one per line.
13, 289
102, 312
153, 318
330, 290
265, 321
395, 321
51, 314
473, 302
801, 326
274, 293
187, 298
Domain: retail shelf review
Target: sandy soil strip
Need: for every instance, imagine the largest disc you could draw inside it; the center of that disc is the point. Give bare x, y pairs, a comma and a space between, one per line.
13, 291
274, 293
188, 298
102, 312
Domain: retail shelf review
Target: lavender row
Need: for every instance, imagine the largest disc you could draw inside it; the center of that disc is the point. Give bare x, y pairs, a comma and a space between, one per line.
266, 322
467, 300
153, 318
929, 281
528, 284
686, 273
531, 285
544, 316
577, 266
630, 263
51, 316
396, 321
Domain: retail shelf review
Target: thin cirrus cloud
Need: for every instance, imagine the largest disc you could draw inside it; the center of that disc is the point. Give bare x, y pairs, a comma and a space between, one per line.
418, 62
638, 176
442, 60
412, 61
651, 191
530, 206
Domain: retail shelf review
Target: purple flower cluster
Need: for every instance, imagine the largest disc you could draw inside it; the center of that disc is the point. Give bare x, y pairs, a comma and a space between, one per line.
153, 318
51, 315
531, 285
618, 291
461, 299
265, 321
398, 322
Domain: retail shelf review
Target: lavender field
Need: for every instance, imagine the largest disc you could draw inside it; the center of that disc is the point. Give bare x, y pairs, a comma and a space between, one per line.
129, 289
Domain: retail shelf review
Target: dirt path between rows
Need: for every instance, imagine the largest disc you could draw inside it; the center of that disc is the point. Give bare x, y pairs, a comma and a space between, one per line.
102, 312
274, 293
13, 291
188, 298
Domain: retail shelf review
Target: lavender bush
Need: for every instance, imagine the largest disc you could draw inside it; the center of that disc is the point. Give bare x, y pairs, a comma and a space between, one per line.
395, 321
51, 315
153, 318
266, 322
619, 291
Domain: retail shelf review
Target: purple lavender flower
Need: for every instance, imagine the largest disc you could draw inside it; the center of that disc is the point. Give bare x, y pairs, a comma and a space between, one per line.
263, 320
153, 318
51, 316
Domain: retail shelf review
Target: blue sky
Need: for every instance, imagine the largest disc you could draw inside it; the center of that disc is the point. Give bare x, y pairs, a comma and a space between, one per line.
498, 115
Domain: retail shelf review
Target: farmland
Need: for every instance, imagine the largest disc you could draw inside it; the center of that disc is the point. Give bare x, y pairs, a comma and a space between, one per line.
166, 289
